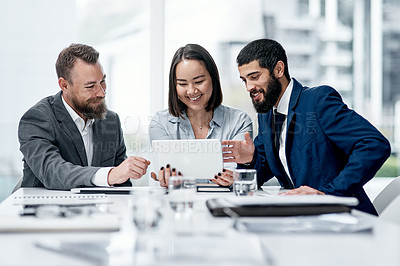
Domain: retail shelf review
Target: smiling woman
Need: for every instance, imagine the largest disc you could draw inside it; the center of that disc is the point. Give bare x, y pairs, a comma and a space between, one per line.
195, 110
194, 89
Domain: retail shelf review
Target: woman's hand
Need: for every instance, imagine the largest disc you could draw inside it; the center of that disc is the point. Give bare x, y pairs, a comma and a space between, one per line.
164, 174
223, 179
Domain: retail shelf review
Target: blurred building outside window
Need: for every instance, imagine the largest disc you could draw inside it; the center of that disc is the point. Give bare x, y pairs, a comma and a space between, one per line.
352, 45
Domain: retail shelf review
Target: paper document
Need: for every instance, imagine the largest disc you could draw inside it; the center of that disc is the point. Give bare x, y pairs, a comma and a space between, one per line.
94, 222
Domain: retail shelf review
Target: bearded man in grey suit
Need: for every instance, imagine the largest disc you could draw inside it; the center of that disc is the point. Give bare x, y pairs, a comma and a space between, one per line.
71, 139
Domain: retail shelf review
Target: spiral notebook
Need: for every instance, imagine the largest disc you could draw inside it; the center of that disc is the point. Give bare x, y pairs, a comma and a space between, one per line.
60, 199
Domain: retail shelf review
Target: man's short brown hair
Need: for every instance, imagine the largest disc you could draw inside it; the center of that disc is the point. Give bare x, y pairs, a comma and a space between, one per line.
68, 56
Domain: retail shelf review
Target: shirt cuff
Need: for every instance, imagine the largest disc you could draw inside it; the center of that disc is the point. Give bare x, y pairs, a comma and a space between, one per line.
250, 164
100, 178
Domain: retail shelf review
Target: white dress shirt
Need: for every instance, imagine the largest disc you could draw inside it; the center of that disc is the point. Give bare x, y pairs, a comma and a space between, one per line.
283, 107
86, 130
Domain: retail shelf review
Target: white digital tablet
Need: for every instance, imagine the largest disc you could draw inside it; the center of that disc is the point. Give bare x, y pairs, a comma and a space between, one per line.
198, 158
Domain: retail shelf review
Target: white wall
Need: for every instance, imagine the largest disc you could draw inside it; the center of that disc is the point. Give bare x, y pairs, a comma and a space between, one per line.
32, 33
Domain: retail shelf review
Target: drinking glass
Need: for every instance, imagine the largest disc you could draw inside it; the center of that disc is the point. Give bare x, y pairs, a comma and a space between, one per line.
245, 182
148, 207
151, 220
181, 191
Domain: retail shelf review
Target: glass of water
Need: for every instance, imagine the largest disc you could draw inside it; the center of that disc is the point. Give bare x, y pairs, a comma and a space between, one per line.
245, 182
148, 208
181, 193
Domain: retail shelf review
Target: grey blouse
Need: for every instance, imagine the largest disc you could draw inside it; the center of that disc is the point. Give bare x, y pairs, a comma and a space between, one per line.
228, 123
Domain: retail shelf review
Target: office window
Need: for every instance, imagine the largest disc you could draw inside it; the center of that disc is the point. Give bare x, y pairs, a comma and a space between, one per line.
303, 8
120, 30
33, 36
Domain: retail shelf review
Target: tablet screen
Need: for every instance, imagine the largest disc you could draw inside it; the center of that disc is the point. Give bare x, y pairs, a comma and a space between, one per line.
199, 158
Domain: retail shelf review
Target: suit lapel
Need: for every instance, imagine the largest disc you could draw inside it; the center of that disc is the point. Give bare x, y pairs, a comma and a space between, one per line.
291, 121
69, 127
294, 98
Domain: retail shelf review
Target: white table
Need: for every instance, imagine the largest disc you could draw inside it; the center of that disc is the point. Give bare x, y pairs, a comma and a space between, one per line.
209, 241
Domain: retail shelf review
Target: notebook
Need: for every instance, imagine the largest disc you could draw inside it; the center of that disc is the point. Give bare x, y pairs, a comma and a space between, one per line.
198, 158
280, 205
212, 188
52, 199
102, 190
110, 190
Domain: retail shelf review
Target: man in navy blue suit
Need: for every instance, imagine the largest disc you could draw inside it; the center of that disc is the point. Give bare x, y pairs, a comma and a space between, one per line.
308, 138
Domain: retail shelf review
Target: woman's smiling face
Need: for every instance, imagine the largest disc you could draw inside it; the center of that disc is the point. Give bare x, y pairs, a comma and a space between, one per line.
193, 84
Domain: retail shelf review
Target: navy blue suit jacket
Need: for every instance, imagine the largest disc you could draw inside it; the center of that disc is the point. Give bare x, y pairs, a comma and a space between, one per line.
328, 146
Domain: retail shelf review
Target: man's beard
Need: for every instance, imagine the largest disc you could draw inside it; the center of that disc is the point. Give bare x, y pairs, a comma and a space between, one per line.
91, 112
271, 96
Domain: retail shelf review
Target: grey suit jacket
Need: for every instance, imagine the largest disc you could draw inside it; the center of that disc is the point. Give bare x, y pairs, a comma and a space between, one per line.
53, 150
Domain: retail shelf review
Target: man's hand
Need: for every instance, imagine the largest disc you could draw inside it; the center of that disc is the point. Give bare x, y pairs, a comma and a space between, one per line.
303, 190
133, 167
238, 151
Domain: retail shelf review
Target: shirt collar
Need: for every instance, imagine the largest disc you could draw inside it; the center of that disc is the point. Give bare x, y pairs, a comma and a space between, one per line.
79, 122
218, 117
283, 104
